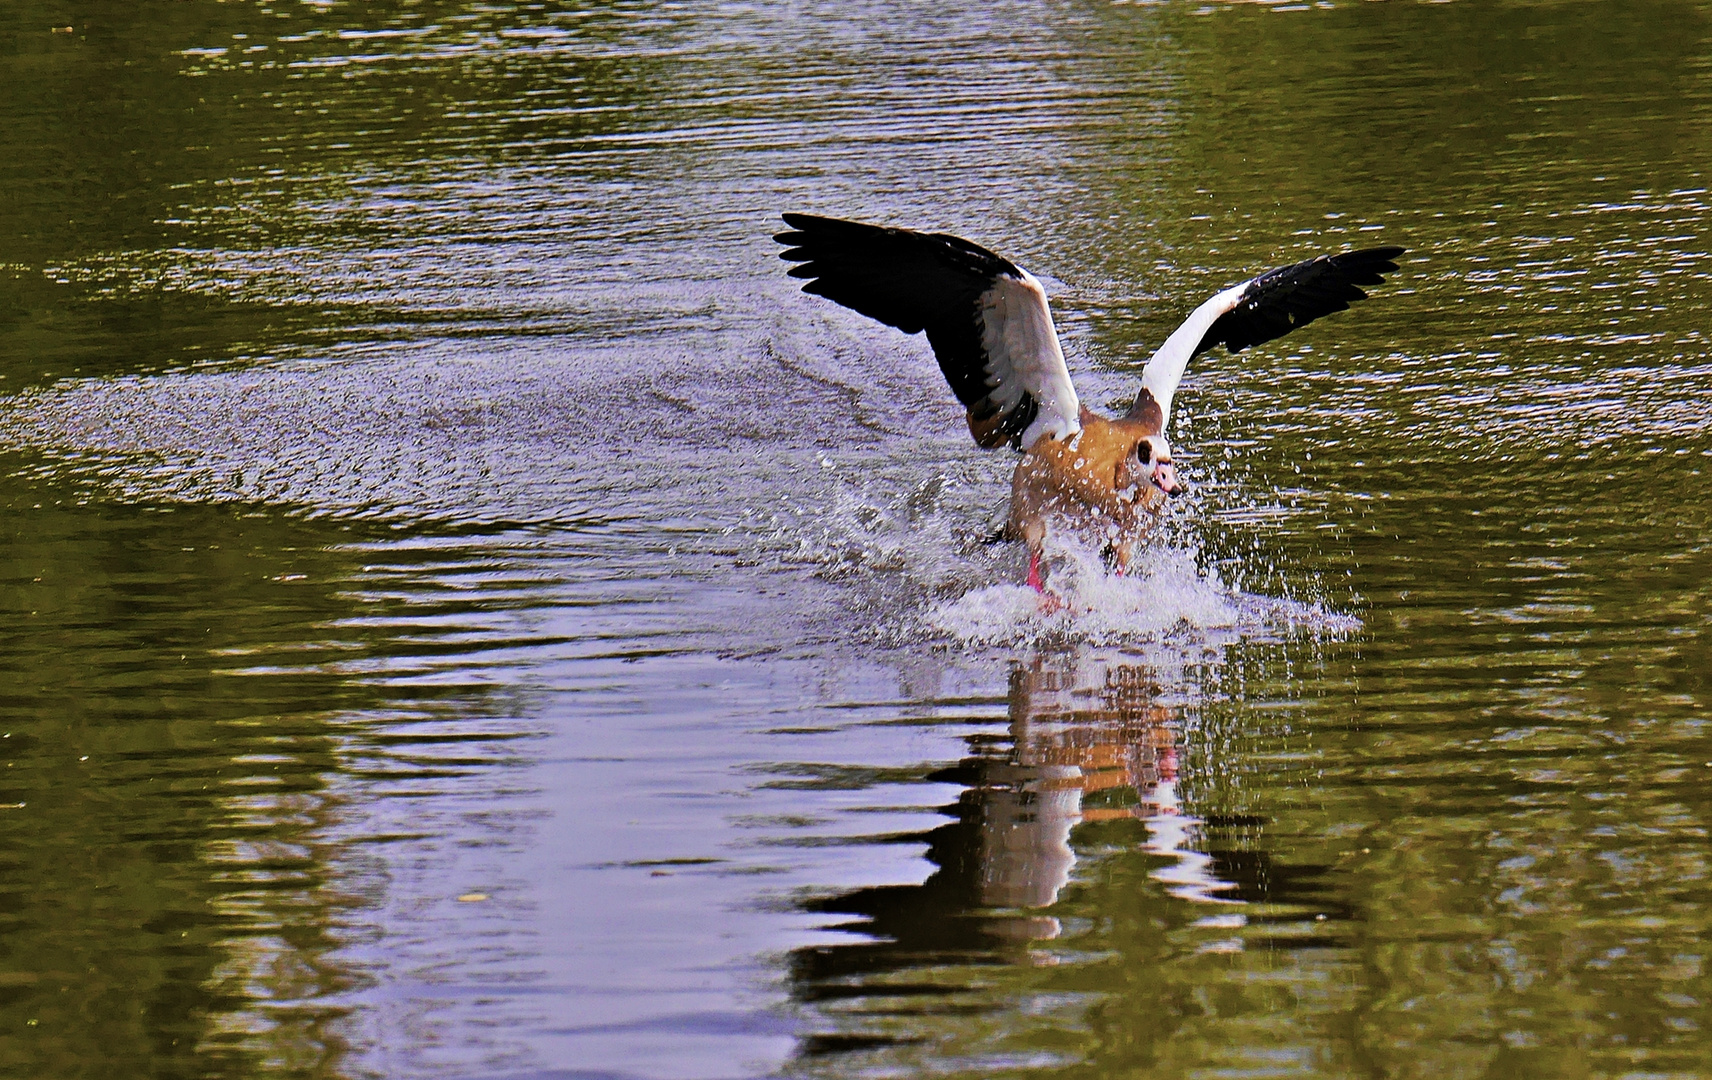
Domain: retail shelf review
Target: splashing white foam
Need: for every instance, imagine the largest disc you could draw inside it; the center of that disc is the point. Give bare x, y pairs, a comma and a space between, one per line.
907, 553
1165, 594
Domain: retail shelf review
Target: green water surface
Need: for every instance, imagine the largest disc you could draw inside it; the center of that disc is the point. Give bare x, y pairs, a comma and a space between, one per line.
463, 613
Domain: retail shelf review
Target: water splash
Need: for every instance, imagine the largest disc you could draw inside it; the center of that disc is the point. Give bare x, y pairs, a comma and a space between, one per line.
917, 557
1166, 595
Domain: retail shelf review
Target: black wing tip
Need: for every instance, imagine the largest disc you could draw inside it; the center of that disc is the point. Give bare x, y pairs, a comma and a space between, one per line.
1389, 251
818, 223
812, 230
1378, 260
1290, 297
804, 227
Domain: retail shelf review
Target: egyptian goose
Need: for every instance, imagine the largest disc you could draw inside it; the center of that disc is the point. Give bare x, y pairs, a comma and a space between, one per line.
991, 329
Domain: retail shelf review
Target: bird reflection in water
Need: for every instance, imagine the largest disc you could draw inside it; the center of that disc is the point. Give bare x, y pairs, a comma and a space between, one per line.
1088, 741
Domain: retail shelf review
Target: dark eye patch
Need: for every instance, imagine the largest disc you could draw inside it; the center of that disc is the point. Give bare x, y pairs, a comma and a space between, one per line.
1144, 452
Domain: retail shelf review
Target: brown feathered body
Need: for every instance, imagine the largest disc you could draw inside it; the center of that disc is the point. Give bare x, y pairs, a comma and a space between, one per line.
1091, 484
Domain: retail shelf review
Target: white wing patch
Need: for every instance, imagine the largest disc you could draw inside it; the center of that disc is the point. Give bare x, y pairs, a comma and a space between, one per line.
1023, 355
1165, 367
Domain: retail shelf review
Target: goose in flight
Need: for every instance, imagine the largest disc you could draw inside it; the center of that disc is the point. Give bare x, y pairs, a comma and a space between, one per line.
989, 325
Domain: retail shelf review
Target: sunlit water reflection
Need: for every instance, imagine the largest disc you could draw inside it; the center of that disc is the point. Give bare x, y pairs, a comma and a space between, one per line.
466, 614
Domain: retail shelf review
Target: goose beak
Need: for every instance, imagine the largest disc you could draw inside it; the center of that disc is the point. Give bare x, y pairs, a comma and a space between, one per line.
1165, 478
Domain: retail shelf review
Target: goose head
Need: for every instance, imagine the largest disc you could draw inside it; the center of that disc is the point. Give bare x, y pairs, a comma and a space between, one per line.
1151, 460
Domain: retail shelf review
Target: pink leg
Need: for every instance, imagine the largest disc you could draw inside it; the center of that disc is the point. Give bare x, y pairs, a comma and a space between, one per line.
1034, 581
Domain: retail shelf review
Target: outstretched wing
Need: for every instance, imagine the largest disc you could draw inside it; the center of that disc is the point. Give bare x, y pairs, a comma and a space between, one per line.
1256, 311
1281, 300
986, 318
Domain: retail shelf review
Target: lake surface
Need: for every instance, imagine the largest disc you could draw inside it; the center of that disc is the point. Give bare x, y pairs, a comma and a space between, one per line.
464, 614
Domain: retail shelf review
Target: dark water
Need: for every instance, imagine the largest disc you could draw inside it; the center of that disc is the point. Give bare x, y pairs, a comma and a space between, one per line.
464, 614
